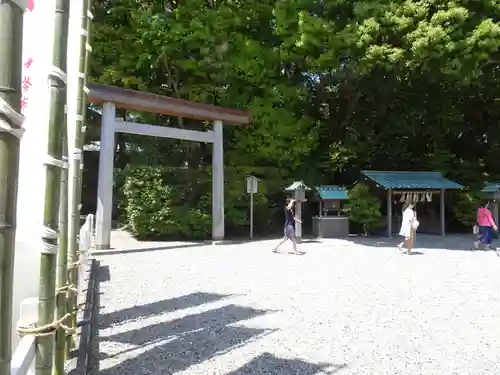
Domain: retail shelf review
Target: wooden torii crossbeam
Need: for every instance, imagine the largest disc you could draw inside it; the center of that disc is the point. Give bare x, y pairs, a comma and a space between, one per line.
144, 101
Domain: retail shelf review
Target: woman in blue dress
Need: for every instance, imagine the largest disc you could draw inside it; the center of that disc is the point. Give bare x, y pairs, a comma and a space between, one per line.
289, 230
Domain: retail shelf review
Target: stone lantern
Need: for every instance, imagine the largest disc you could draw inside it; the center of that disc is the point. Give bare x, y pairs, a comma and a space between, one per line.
298, 189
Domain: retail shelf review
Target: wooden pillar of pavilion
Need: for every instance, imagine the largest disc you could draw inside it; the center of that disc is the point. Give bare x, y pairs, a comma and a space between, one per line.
442, 213
389, 213
495, 197
495, 212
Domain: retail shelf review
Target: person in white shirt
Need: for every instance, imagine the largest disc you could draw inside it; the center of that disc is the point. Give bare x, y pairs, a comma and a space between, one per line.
409, 224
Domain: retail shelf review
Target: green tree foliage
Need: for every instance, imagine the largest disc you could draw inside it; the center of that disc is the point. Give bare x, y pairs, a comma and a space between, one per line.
363, 208
333, 87
465, 206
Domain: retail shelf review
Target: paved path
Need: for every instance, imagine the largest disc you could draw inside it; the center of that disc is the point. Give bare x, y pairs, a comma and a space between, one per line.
343, 308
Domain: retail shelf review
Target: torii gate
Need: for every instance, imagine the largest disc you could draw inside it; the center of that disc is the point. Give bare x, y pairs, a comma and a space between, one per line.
110, 97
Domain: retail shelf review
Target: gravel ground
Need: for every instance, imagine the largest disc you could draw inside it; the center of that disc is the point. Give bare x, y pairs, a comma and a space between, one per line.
342, 308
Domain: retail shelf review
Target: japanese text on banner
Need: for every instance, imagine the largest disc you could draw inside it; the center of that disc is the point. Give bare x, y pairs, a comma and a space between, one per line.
26, 84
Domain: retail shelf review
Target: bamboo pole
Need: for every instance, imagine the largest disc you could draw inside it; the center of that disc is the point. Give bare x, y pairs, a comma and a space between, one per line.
46, 304
62, 264
11, 37
76, 175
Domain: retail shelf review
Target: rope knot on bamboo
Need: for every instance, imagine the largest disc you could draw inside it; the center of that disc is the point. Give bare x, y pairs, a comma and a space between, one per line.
65, 288
74, 265
71, 288
48, 329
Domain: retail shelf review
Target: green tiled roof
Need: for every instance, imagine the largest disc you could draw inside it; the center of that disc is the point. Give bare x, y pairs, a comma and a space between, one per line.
332, 192
411, 180
491, 188
296, 185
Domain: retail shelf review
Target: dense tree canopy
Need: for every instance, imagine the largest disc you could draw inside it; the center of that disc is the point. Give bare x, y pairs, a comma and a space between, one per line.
333, 86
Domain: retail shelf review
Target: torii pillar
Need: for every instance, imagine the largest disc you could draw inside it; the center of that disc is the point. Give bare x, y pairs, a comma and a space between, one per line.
112, 97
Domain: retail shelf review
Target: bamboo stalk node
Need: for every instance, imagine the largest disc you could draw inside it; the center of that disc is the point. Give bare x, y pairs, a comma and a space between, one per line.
57, 73
65, 162
6, 128
77, 154
50, 160
22, 4
13, 117
48, 235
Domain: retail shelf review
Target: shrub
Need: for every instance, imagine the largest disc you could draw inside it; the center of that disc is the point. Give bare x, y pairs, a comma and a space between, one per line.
155, 209
465, 204
363, 208
172, 203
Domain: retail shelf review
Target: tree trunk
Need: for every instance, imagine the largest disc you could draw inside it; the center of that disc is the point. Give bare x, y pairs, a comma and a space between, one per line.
76, 192
46, 304
11, 23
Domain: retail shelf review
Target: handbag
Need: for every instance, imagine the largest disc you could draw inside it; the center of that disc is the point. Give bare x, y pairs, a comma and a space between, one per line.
475, 229
414, 224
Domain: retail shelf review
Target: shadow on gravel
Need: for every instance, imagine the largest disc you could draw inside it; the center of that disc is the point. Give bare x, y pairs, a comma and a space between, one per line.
178, 354
454, 242
92, 367
147, 249
269, 364
172, 346
159, 307
176, 345
213, 319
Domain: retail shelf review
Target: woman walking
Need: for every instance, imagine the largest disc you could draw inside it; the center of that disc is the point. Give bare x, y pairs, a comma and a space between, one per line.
409, 224
486, 226
289, 229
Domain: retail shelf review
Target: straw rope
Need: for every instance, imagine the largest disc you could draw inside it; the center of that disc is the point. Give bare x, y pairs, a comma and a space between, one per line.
47, 329
74, 265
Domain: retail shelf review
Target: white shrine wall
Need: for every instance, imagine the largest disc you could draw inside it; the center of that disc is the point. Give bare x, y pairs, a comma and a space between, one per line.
37, 60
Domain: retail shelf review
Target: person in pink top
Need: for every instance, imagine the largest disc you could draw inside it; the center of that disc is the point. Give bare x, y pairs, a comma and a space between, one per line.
486, 226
